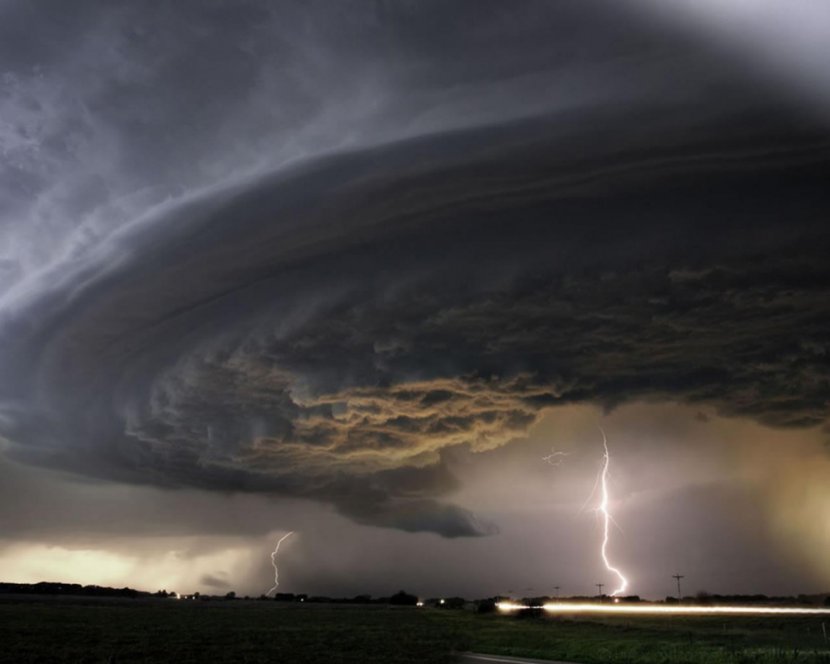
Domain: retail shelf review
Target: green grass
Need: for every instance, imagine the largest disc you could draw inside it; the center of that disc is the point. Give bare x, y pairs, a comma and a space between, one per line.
206, 632
113, 631
642, 640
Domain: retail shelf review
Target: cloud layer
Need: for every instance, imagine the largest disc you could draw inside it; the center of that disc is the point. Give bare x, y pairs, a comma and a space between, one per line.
396, 260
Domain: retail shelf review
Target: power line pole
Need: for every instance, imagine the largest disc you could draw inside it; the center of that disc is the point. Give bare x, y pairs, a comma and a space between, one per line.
556, 588
677, 577
600, 586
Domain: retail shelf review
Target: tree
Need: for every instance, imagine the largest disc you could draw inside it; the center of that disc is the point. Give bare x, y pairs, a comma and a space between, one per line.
402, 598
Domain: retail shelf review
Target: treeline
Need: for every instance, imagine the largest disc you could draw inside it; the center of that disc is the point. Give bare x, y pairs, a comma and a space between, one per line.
400, 598
403, 598
53, 588
705, 598
700, 599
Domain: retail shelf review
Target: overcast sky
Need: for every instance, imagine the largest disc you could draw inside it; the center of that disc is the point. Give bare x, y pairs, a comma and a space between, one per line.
353, 269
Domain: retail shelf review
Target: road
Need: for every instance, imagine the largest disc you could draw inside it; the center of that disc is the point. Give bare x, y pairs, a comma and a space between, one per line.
478, 658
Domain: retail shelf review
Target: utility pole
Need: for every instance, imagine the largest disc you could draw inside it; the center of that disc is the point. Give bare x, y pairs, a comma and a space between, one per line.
600, 586
556, 588
677, 577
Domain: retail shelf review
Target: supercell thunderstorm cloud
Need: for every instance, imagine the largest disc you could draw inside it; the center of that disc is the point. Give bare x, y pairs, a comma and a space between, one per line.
351, 268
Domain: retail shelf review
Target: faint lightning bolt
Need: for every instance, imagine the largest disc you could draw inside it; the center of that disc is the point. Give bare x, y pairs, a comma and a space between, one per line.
274, 561
555, 458
603, 509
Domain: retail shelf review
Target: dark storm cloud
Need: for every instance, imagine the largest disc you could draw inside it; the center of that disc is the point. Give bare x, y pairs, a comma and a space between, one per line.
450, 262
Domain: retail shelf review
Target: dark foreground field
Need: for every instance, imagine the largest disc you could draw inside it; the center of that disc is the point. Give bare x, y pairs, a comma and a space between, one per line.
68, 630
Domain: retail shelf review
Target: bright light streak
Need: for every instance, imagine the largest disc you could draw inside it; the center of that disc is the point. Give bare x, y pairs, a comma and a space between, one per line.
663, 609
603, 509
274, 561
513, 606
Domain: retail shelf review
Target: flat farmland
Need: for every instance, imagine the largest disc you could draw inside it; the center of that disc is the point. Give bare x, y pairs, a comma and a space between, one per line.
179, 631
110, 631
644, 639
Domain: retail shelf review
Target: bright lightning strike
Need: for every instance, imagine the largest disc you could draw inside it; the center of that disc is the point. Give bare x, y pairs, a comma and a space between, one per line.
274, 561
606, 515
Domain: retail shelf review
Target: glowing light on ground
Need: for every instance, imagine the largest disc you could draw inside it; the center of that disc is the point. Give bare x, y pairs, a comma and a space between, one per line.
606, 515
274, 561
661, 609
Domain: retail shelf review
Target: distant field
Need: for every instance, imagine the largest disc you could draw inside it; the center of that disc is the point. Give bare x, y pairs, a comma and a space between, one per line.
205, 632
641, 639
69, 630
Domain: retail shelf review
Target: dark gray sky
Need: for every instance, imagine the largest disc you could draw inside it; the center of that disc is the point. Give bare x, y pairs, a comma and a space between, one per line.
352, 269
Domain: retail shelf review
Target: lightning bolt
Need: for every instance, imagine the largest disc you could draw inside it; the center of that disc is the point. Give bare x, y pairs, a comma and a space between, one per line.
606, 515
555, 458
274, 561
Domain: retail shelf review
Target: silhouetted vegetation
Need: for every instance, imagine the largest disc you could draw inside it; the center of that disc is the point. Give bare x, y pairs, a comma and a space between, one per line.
402, 598
285, 597
705, 598
75, 589
454, 603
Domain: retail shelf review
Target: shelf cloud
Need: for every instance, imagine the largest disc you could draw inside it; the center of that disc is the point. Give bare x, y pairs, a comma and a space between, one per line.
250, 251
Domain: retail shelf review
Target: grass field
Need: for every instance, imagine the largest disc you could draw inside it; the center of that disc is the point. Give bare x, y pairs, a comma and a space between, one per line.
68, 630
206, 632
643, 640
